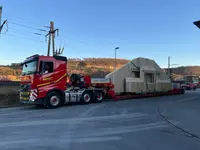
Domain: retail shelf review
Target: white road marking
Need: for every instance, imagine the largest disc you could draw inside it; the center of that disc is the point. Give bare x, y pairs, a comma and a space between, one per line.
99, 135
69, 121
96, 139
120, 130
61, 141
91, 109
124, 111
187, 99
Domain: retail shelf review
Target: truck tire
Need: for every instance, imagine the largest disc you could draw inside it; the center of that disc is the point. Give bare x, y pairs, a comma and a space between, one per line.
194, 88
86, 97
182, 91
53, 100
98, 97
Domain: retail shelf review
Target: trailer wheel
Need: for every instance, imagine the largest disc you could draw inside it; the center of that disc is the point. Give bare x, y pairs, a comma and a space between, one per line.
86, 97
53, 100
99, 97
183, 91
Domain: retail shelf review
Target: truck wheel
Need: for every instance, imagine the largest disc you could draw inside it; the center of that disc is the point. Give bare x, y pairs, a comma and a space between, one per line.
99, 97
86, 98
183, 91
53, 100
194, 88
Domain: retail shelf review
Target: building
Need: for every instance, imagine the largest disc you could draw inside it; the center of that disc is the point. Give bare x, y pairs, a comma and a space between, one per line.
141, 75
192, 78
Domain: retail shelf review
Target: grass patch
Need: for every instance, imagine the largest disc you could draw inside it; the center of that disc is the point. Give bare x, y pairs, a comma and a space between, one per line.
9, 96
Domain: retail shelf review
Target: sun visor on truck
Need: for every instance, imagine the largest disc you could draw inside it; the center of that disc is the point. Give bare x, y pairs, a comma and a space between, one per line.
32, 58
61, 58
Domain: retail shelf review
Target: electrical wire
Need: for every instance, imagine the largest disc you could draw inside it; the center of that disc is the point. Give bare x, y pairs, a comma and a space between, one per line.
19, 30
16, 19
19, 37
30, 27
17, 22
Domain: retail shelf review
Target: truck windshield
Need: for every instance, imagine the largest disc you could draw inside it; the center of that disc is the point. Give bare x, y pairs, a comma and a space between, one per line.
29, 68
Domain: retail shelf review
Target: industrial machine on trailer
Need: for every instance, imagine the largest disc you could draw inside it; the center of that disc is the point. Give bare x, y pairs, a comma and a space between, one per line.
44, 82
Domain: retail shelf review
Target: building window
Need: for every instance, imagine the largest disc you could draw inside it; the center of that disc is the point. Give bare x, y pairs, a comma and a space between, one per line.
149, 77
136, 74
157, 76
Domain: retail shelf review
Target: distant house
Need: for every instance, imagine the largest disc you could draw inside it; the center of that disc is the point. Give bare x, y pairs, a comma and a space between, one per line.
192, 78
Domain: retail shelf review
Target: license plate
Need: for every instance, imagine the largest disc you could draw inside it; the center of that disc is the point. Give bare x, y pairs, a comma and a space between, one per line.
24, 98
25, 93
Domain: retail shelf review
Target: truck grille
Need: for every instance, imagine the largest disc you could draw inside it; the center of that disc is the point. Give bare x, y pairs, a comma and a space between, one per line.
25, 92
25, 87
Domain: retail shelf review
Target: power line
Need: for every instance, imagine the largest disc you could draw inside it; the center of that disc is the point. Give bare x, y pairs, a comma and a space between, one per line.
19, 37
30, 27
18, 30
16, 19
26, 35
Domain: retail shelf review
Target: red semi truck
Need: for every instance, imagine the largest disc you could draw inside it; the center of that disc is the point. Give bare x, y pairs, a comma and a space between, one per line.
44, 82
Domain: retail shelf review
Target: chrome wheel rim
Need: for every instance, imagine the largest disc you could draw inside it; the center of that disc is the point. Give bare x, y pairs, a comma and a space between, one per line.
99, 97
86, 98
54, 100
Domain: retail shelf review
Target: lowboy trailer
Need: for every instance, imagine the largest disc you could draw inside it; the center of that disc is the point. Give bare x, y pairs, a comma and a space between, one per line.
44, 82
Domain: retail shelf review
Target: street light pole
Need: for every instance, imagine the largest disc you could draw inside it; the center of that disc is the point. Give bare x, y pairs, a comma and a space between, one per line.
116, 56
169, 65
168, 62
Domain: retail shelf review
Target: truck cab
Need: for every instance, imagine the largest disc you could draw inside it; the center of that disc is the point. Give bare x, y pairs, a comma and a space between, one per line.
44, 82
42, 75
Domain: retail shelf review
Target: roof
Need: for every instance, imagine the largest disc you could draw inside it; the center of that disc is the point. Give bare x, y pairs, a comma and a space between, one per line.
140, 63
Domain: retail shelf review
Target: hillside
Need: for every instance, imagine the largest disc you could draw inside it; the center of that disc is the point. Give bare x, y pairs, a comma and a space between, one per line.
96, 67
188, 70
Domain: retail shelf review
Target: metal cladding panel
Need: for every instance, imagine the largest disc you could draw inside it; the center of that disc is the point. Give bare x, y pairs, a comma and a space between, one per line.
118, 77
159, 87
151, 87
135, 87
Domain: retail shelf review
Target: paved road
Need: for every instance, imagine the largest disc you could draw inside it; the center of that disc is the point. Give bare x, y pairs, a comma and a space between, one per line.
170, 122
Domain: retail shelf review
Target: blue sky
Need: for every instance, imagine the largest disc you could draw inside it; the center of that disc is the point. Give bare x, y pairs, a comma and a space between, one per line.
154, 29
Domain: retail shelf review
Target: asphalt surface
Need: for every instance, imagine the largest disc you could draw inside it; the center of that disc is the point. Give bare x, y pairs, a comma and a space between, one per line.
160, 123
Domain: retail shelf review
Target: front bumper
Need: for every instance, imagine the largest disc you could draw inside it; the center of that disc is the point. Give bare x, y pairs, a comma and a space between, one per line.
36, 101
29, 96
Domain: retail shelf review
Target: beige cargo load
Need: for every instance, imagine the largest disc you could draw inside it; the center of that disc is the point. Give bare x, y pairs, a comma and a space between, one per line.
141, 75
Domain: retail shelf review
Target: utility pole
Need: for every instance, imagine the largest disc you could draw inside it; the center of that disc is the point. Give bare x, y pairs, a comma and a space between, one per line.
115, 57
51, 35
1, 8
4, 22
49, 44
